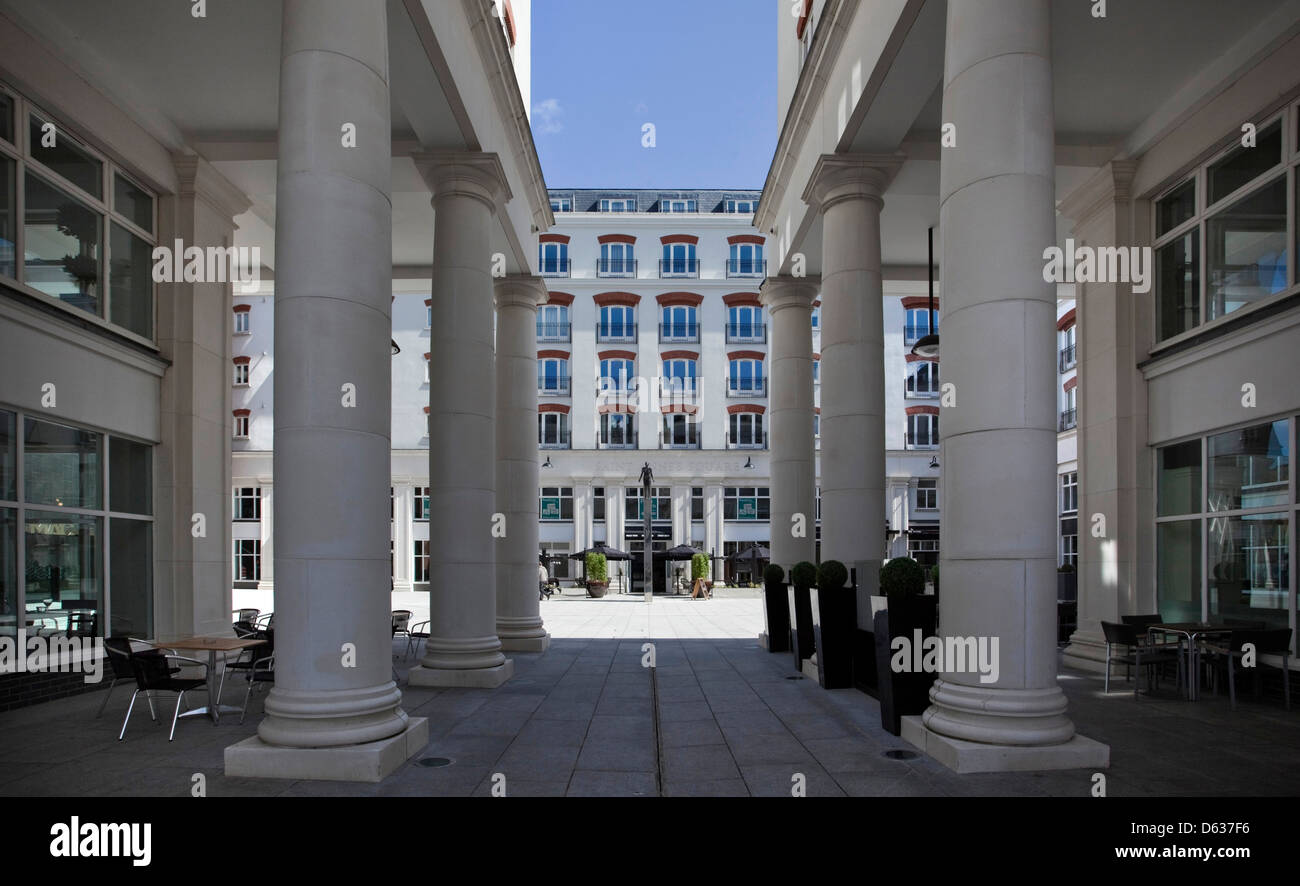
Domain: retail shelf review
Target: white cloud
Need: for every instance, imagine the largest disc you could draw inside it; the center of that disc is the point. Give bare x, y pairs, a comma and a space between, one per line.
546, 117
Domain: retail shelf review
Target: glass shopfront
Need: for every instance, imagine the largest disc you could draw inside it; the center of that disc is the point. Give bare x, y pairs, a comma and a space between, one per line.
1226, 512
82, 534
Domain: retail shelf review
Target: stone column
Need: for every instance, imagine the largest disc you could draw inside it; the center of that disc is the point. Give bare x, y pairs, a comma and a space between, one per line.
1116, 574
403, 537
463, 648
789, 302
333, 682
681, 504
519, 621
997, 215
848, 189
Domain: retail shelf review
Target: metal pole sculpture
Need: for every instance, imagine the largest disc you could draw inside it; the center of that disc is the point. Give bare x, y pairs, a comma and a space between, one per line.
647, 477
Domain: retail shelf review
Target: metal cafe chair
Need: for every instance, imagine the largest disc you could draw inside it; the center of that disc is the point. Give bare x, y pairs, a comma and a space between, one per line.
417, 633
119, 662
249, 656
1135, 655
1227, 656
245, 615
264, 620
154, 673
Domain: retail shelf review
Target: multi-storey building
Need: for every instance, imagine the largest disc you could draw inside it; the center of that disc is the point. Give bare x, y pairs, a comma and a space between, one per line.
652, 348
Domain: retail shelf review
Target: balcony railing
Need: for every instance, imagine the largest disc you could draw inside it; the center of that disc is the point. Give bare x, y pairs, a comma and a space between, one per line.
746, 333
1069, 419
666, 442
746, 267
622, 440
625, 333
1068, 357
761, 444
616, 267
912, 392
554, 331
556, 268
554, 386
747, 387
678, 391
564, 443
913, 334
679, 332
922, 441
682, 267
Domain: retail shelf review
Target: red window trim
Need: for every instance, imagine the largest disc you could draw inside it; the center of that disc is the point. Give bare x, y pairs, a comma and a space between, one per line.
916, 358
1071, 384
559, 298
509, 20
746, 408
747, 238
242, 309
616, 238
680, 408
671, 299
923, 410
554, 238
680, 238
817, 358
426, 410
803, 18
624, 299
553, 407
913, 302
427, 355
242, 413
428, 302
1066, 321
739, 299
242, 361
679, 355
817, 410
746, 355
617, 409
818, 303
617, 355
552, 355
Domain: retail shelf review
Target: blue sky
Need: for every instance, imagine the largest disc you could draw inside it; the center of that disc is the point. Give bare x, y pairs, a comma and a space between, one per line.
702, 71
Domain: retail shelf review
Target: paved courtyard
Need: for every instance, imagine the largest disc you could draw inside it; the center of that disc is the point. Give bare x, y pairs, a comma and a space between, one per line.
719, 716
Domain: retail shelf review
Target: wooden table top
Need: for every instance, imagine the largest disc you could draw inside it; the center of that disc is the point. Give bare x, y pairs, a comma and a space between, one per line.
216, 644
1190, 627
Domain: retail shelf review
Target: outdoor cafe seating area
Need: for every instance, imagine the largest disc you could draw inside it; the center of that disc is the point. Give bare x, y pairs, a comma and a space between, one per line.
1222, 655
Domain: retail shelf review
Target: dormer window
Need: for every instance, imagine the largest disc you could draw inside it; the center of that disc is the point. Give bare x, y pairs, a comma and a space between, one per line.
617, 205
672, 205
742, 206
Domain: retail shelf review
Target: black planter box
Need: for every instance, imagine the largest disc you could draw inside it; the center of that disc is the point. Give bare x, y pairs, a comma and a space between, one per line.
864, 662
802, 643
902, 694
835, 619
1067, 587
776, 617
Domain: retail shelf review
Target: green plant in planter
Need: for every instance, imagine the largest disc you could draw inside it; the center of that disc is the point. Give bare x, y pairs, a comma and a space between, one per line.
597, 567
832, 575
803, 575
1065, 567
773, 575
700, 567
902, 575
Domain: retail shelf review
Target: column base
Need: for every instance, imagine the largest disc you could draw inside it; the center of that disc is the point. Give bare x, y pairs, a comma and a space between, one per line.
809, 669
526, 644
372, 761
969, 756
462, 678
762, 640
1086, 652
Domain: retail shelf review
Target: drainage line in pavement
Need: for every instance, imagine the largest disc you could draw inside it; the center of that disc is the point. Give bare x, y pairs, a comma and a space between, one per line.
654, 713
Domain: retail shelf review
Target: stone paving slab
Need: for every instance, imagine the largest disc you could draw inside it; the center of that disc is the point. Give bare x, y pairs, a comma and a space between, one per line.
719, 717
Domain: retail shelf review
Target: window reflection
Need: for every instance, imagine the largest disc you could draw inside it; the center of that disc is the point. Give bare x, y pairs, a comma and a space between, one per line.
1249, 468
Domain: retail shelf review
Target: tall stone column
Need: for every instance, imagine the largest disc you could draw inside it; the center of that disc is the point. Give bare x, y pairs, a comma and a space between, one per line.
519, 620
848, 189
463, 648
789, 301
403, 537
266, 582
333, 682
997, 215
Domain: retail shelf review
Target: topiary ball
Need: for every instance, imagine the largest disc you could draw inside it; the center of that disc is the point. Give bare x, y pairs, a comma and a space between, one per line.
832, 575
803, 575
902, 575
773, 575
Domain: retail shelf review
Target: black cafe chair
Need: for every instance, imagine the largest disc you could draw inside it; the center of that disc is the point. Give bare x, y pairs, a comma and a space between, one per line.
154, 673
1227, 657
262, 673
1135, 654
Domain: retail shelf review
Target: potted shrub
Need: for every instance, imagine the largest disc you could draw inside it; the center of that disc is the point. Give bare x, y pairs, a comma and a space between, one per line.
597, 574
835, 620
776, 609
802, 577
907, 610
